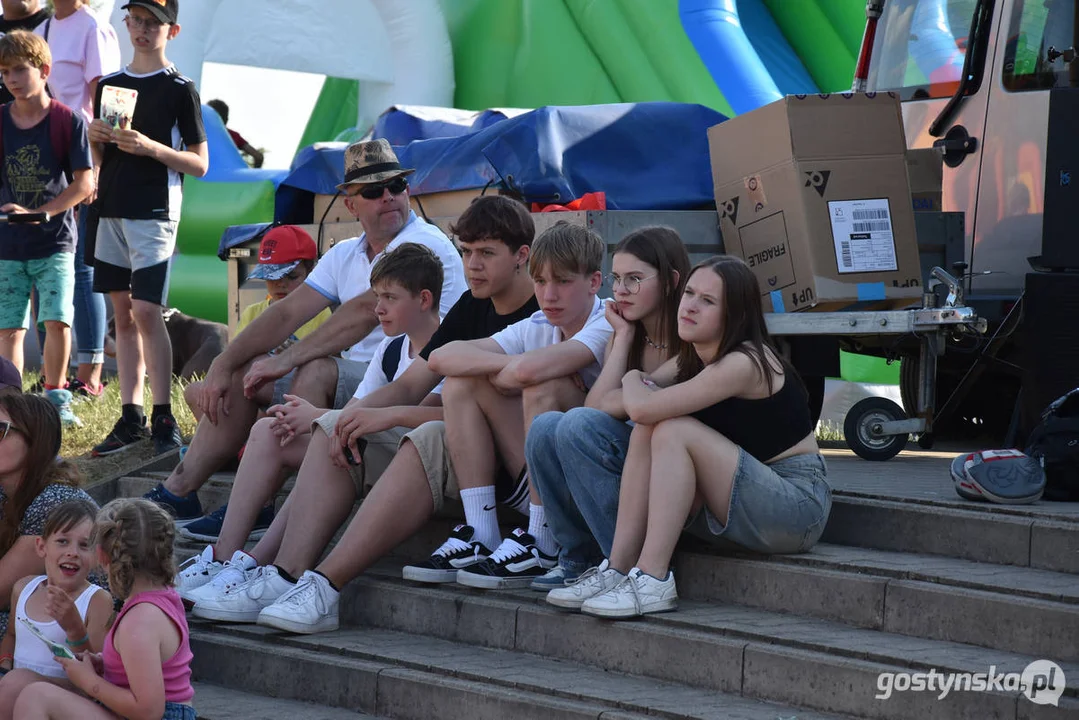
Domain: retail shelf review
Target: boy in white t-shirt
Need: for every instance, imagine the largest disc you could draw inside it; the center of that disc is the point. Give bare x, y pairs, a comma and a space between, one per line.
407, 282
496, 386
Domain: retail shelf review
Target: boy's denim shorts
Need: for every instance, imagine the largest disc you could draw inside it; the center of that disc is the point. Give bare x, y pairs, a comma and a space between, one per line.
176, 711
54, 278
776, 508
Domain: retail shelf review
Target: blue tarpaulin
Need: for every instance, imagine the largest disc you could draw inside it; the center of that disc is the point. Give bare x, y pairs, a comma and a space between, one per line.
644, 156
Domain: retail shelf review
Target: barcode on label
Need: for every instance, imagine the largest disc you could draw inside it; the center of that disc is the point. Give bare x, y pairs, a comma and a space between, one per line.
862, 227
848, 261
879, 214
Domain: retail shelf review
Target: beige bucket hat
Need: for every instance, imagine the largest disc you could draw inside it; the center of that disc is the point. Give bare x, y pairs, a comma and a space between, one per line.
371, 161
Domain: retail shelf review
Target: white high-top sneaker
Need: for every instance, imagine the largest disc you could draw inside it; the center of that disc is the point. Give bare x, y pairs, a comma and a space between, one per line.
235, 571
195, 572
638, 594
594, 582
243, 603
310, 607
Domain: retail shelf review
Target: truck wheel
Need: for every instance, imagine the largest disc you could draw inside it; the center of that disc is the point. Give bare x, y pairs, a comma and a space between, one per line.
861, 429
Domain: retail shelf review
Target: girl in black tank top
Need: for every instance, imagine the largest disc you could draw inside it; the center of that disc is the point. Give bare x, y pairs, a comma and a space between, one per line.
723, 438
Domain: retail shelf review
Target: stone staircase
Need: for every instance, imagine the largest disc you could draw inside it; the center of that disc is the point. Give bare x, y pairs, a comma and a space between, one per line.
908, 579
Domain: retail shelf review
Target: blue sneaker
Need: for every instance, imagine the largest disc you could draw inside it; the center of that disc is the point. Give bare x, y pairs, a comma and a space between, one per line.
61, 400
208, 527
554, 578
184, 510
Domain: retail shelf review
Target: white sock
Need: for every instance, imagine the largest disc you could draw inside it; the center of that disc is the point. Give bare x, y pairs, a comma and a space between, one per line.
537, 528
480, 513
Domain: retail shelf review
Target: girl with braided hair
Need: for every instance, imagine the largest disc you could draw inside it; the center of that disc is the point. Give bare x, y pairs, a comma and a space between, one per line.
145, 668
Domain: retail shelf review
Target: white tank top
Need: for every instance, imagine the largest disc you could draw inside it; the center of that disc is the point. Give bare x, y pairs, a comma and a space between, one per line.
30, 652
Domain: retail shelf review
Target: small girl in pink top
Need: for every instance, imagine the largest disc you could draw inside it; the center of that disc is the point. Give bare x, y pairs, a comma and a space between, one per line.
145, 667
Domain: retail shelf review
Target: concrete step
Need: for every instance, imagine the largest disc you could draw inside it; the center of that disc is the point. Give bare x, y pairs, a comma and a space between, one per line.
217, 703
1016, 609
770, 656
407, 676
996, 534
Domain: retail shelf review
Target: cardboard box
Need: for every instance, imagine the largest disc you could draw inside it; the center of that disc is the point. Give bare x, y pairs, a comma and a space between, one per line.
925, 171
812, 192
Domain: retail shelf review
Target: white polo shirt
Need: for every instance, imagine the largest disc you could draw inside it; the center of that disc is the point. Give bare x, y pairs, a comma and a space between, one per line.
344, 272
538, 332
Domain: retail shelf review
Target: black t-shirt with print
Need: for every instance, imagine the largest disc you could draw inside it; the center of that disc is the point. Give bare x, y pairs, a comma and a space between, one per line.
27, 23
474, 319
167, 110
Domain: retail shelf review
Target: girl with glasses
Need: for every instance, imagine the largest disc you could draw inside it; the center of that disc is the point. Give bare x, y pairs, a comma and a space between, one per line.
575, 458
33, 481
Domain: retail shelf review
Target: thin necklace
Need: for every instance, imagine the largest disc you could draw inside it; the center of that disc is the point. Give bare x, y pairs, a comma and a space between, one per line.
657, 346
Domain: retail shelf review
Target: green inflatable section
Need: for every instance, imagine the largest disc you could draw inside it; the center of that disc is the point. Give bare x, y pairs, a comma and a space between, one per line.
828, 59
198, 284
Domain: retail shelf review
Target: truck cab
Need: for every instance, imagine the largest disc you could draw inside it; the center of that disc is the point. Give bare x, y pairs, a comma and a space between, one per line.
994, 128
994, 84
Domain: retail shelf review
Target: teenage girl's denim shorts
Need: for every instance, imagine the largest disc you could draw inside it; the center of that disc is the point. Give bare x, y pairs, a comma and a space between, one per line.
776, 508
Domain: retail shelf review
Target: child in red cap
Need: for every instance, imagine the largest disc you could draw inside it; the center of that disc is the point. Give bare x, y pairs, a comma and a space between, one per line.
286, 255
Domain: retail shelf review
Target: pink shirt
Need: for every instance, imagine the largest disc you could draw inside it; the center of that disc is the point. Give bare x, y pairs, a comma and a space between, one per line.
176, 671
83, 47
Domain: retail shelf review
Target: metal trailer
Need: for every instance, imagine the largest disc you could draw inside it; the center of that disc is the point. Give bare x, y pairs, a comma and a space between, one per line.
875, 428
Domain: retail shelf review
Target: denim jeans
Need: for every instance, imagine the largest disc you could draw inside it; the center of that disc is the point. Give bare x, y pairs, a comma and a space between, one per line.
575, 462
89, 305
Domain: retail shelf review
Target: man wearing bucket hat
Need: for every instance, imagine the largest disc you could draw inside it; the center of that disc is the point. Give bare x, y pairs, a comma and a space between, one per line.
245, 378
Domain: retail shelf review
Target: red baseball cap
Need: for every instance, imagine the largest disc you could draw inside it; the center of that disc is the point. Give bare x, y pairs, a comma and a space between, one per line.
281, 250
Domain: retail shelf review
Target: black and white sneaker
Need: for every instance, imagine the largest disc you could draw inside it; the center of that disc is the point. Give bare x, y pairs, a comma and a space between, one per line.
515, 564
456, 553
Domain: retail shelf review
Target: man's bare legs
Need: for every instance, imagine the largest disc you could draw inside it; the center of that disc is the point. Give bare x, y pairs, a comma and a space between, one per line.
156, 348
560, 394
262, 472
11, 346
57, 352
321, 500
213, 447
396, 509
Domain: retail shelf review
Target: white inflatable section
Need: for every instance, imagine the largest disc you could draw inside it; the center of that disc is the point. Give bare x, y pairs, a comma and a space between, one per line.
400, 52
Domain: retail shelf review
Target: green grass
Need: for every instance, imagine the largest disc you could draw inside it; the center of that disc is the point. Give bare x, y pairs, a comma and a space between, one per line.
98, 415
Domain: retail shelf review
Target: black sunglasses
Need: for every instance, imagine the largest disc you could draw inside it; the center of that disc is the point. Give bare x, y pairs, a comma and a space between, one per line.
5, 428
374, 192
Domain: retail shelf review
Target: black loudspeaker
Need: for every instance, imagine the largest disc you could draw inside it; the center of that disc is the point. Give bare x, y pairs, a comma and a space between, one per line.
1049, 342
1060, 237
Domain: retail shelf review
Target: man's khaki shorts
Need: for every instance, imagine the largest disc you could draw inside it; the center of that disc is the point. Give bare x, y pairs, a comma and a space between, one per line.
381, 447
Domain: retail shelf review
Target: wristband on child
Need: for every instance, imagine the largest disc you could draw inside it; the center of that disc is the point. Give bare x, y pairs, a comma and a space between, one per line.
76, 643
7, 657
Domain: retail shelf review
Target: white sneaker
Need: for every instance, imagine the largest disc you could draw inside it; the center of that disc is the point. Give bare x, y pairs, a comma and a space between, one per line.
591, 583
233, 572
195, 572
243, 603
637, 594
310, 607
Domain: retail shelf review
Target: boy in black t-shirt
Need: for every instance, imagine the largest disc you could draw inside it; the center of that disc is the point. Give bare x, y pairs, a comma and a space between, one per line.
42, 171
143, 161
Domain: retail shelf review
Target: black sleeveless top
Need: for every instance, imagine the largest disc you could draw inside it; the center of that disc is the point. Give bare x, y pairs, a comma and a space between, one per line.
766, 427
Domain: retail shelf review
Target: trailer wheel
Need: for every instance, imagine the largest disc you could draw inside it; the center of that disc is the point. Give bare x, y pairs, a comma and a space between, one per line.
861, 428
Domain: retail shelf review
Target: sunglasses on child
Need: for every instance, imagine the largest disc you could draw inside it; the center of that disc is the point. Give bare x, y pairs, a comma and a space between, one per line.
5, 428
374, 192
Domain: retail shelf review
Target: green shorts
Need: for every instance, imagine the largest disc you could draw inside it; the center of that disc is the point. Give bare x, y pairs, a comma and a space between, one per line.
54, 278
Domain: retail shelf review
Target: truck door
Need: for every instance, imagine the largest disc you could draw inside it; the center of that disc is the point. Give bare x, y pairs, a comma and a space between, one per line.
1032, 59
